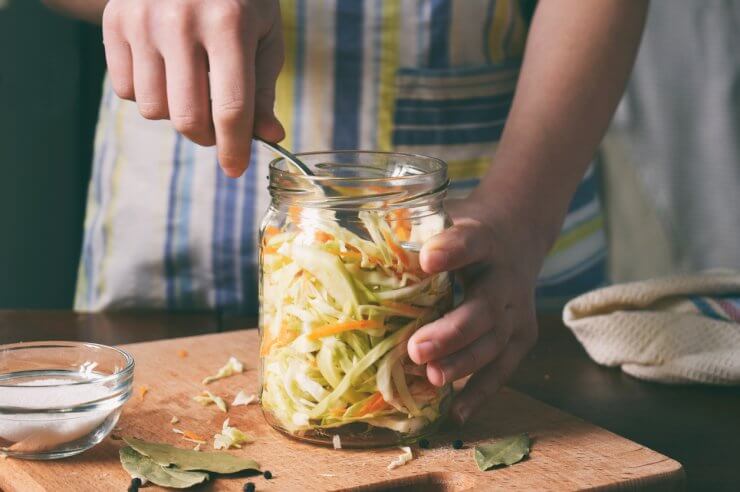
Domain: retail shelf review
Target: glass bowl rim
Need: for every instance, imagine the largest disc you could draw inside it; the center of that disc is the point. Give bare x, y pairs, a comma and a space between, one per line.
124, 371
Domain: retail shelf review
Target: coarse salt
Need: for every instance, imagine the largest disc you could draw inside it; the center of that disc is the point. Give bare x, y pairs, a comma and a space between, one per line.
38, 432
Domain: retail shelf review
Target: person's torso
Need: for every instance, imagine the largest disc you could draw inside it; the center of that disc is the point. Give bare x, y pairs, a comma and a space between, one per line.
166, 229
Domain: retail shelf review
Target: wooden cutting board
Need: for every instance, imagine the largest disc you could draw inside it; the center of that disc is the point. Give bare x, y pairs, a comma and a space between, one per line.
567, 453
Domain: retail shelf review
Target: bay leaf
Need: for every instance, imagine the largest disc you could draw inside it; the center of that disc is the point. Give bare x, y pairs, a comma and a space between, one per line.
140, 466
187, 459
502, 452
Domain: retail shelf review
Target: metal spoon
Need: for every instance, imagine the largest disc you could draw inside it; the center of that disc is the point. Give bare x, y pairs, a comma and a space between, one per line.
349, 219
287, 155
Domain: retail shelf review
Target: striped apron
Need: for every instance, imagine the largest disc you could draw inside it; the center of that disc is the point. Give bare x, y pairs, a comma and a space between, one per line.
165, 229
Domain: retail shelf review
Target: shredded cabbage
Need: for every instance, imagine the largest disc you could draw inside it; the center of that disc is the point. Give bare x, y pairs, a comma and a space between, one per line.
337, 311
233, 366
230, 437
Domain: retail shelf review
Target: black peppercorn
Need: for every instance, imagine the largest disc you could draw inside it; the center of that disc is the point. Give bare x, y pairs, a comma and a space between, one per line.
267, 474
423, 443
134, 485
457, 444
249, 487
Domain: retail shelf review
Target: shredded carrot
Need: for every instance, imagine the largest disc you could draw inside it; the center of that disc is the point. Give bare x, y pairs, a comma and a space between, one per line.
322, 236
270, 231
350, 255
284, 337
338, 411
267, 343
326, 330
294, 212
143, 390
192, 435
374, 404
397, 250
398, 220
402, 231
269, 250
405, 309
182, 353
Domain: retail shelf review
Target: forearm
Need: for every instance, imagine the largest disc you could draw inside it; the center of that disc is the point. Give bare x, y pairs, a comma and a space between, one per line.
577, 62
87, 10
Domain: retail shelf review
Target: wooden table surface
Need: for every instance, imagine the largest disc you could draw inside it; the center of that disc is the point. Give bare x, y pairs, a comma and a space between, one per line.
696, 425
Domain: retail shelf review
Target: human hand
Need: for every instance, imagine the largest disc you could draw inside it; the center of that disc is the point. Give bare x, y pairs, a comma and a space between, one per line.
159, 54
495, 326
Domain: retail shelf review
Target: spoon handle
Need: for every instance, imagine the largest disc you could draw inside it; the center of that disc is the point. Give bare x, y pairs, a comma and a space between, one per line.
279, 149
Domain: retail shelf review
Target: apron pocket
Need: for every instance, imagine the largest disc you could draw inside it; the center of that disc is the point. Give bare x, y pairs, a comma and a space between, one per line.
454, 114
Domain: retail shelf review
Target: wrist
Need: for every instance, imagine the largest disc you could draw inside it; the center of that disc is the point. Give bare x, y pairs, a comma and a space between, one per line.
532, 215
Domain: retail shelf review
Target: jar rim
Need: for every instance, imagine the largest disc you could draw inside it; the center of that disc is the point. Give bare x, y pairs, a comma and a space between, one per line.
440, 170
350, 179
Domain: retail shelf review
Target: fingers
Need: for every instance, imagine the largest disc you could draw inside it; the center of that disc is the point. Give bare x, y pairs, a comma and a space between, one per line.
150, 87
463, 244
160, 54
187, 92
477, 315
473, 357
118, 56
266, 124
232, 100
483, 385
267, 67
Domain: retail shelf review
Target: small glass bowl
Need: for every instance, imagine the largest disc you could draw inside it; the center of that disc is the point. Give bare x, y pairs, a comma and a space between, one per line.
58, 399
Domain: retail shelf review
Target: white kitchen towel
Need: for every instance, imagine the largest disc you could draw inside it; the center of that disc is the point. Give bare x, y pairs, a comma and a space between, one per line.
680, 329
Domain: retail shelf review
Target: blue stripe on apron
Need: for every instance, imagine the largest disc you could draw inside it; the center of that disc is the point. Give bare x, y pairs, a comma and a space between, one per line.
450, 116
439, 33
509, 29
300, 54
89, 250
249, 264
419, 38
223, 246
487, 32
178, 271
377, 51
348, 73
462, 184
169, 239
449, 136
439, 104
585, 193
581, 279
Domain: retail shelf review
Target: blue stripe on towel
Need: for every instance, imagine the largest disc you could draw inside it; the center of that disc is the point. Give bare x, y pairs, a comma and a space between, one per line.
706, 309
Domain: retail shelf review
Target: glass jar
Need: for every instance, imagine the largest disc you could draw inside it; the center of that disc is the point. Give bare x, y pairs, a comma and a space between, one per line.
341, 292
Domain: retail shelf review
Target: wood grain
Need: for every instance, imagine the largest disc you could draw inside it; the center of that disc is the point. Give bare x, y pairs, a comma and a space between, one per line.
568, 453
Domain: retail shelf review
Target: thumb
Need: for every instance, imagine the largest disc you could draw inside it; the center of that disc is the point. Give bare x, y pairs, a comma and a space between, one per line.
463, 244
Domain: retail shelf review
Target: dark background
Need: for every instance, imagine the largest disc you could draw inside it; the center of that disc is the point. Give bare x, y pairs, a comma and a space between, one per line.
51, 71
